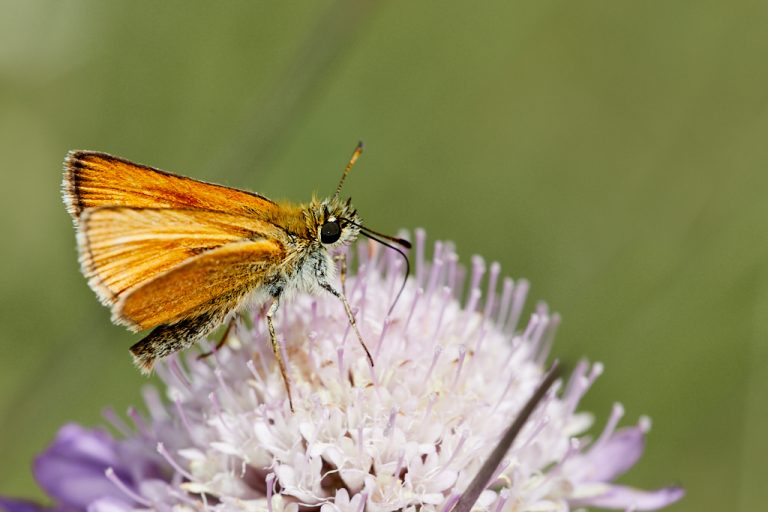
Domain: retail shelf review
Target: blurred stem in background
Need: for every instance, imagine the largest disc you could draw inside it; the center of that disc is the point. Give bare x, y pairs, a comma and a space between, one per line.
268, 124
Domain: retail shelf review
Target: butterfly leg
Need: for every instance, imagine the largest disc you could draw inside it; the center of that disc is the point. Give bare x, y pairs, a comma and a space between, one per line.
341, 260
276, 347
230, 326
350, 316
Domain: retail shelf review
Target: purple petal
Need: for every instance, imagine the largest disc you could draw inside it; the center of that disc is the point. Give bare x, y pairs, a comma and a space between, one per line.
95, 446
138, 461
621, 498
72, 469
11, 505
109, 505
612, 458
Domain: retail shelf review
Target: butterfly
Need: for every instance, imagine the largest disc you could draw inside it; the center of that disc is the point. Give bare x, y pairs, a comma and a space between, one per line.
180, 256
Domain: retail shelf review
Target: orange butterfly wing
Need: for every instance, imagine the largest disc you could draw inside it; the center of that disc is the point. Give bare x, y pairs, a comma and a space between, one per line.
216, 280
93, 179
136, 224
121, 247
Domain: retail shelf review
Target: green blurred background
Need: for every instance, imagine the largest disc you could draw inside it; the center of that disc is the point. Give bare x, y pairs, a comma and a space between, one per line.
614, 153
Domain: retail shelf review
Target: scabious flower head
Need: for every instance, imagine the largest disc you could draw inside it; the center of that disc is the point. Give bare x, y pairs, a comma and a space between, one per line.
453, 367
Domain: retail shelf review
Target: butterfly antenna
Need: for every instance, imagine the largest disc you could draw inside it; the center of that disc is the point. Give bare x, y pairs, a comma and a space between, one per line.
355, 155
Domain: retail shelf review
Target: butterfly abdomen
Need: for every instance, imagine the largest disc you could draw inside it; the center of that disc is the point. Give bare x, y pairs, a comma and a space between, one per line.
167, 339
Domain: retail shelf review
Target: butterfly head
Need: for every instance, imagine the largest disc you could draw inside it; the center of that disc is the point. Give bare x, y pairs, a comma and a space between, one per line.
334, 223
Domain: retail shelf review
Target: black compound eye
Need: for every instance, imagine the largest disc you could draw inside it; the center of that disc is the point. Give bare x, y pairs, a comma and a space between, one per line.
330, 232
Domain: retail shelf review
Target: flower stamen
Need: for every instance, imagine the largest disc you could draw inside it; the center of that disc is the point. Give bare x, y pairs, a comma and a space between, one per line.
506, 300
112, 477
490, 297
175, 465
462, 355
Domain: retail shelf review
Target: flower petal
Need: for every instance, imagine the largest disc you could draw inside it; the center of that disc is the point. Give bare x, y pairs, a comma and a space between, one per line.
109, 504
612, 458
11, 505
621, 498
72, 469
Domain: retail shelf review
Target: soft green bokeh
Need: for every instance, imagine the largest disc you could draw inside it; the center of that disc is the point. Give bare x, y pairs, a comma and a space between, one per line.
614, 153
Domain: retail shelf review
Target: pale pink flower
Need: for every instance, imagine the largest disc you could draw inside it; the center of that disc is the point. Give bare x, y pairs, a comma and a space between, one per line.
453, 368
